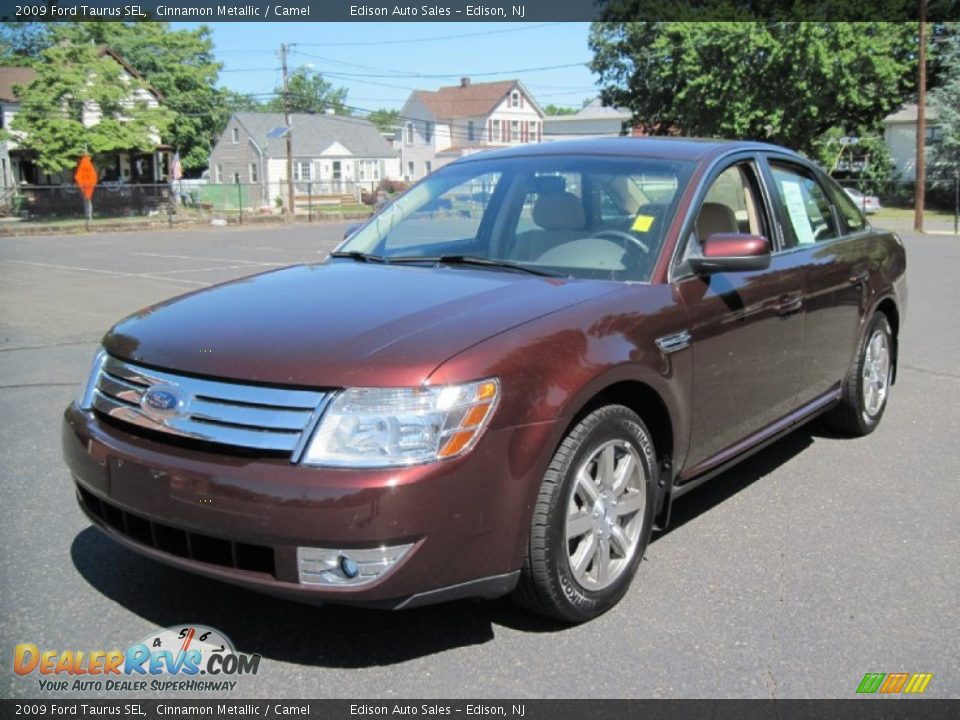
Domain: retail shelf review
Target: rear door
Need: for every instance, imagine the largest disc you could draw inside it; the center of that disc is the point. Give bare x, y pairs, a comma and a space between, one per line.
746, 328
829, 246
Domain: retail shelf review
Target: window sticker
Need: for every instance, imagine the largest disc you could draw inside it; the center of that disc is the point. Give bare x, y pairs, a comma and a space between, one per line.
793, 197
642, 223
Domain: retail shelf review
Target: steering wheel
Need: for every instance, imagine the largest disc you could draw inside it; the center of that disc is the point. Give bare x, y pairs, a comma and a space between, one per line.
620, 235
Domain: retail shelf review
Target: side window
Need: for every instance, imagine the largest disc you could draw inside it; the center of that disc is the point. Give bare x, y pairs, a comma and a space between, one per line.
805, 206
732, 204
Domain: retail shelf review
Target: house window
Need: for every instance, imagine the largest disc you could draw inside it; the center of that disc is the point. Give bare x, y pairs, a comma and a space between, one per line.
470, 131
236, 178
531, 131
497, 131
236, 135
934, 133
219, 173
515, 99
429, 167
410, 170
368, 170
409, 133
514, 131
253, 172
302, 171
428, 131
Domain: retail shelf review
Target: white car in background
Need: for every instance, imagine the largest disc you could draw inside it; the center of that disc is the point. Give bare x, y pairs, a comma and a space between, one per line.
869, 204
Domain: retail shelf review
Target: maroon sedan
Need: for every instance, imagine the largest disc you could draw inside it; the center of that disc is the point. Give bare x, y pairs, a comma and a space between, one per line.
498, 384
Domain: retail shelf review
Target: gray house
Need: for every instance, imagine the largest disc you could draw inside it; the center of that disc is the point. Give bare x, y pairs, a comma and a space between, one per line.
594, 120
333, 155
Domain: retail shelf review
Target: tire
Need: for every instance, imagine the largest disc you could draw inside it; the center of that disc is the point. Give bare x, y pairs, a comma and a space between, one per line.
867, 387
579, 520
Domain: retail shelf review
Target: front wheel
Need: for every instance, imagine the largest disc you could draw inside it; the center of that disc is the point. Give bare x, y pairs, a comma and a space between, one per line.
593, 518
867, 387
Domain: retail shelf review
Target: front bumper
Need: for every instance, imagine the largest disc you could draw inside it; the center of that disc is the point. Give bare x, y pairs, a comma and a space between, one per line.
241, 520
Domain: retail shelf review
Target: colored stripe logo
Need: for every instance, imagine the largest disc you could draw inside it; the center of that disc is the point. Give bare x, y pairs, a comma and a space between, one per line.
893, 683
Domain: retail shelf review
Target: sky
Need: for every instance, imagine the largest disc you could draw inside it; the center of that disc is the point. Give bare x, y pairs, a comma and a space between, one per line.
379, 67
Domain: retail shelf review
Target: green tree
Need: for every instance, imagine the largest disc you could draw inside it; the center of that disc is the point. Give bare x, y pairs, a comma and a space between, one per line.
74, 84
242, 102
308, 92
552, 109
179, 64
385, 120
782, 82
945, 152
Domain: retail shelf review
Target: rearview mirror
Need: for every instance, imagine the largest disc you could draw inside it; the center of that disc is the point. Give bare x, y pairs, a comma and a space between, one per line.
732, 252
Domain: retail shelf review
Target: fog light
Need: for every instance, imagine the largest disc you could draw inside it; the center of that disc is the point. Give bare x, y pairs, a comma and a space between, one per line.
334, 567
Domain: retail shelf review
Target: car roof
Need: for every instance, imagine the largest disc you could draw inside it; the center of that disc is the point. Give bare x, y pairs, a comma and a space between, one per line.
667, 148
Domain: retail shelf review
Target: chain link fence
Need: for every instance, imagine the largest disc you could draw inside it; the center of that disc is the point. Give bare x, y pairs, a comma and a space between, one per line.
185, 200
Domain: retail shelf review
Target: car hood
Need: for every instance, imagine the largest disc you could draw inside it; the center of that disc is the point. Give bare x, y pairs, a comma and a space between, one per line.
338, 324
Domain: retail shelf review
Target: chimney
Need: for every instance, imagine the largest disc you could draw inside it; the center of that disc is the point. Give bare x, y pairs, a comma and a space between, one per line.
464, 82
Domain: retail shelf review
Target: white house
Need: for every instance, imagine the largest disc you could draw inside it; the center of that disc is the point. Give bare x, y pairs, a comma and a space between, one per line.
132, 167
442, 125
900, 135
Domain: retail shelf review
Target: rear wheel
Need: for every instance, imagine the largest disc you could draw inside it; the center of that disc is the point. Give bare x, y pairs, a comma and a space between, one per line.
593, 518
867, 387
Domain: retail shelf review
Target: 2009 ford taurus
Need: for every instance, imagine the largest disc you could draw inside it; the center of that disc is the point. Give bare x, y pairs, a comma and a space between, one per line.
500, 383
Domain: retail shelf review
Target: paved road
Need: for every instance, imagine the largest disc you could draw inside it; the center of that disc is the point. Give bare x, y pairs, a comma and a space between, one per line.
814, 562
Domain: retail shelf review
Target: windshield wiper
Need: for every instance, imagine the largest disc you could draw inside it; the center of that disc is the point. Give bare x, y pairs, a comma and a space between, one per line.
359, 256
475, 261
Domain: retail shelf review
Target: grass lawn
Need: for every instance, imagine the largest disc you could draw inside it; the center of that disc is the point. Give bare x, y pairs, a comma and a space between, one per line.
895, 213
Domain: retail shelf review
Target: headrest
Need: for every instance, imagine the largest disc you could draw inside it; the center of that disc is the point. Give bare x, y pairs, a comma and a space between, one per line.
558, 211
716, 218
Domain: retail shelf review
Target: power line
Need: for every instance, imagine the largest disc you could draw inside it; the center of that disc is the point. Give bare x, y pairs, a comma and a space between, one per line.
404, 74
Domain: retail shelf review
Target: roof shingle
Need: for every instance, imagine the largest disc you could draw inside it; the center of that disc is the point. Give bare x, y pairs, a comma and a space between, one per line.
312, 134
468, 100
10, 76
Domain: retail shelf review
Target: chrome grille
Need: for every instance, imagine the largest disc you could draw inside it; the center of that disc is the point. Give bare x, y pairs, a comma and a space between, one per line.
247, 416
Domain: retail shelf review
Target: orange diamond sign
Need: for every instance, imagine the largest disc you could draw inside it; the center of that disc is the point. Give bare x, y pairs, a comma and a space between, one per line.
86, 176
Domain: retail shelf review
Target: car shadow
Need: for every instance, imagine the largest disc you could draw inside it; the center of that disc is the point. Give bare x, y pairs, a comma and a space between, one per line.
724, 486
347, 637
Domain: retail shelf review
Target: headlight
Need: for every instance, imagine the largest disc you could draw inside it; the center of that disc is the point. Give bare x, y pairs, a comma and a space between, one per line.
85, 399
384, 427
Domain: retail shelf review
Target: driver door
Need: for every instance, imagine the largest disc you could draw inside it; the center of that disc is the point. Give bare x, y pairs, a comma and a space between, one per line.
746, 327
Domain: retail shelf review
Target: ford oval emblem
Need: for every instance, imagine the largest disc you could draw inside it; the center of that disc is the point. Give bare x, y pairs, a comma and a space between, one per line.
162, 401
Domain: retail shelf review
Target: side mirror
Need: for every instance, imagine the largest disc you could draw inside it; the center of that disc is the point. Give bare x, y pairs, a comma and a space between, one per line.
351, 229
732, 252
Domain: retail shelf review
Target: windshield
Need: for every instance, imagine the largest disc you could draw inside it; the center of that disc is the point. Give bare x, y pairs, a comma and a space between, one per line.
578, 216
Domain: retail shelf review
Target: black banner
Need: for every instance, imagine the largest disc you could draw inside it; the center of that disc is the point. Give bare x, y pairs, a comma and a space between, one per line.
133, 709
470, 10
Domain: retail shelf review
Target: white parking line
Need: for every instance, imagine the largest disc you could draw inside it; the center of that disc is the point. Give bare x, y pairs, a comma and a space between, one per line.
214, 259
114, 273
206, 269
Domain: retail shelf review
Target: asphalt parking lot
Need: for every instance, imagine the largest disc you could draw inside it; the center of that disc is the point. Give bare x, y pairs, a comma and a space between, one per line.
812, 563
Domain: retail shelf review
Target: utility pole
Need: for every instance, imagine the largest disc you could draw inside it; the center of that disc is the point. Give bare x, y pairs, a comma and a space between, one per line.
286, 121
921, 181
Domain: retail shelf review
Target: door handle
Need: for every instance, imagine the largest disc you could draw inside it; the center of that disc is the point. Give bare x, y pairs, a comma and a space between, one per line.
789, 304
859, 278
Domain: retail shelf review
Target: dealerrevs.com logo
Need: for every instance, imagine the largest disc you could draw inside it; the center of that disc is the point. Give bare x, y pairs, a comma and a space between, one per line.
188, 658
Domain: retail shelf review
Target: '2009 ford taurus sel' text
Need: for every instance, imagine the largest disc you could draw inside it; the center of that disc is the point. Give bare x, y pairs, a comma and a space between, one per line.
498, 384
